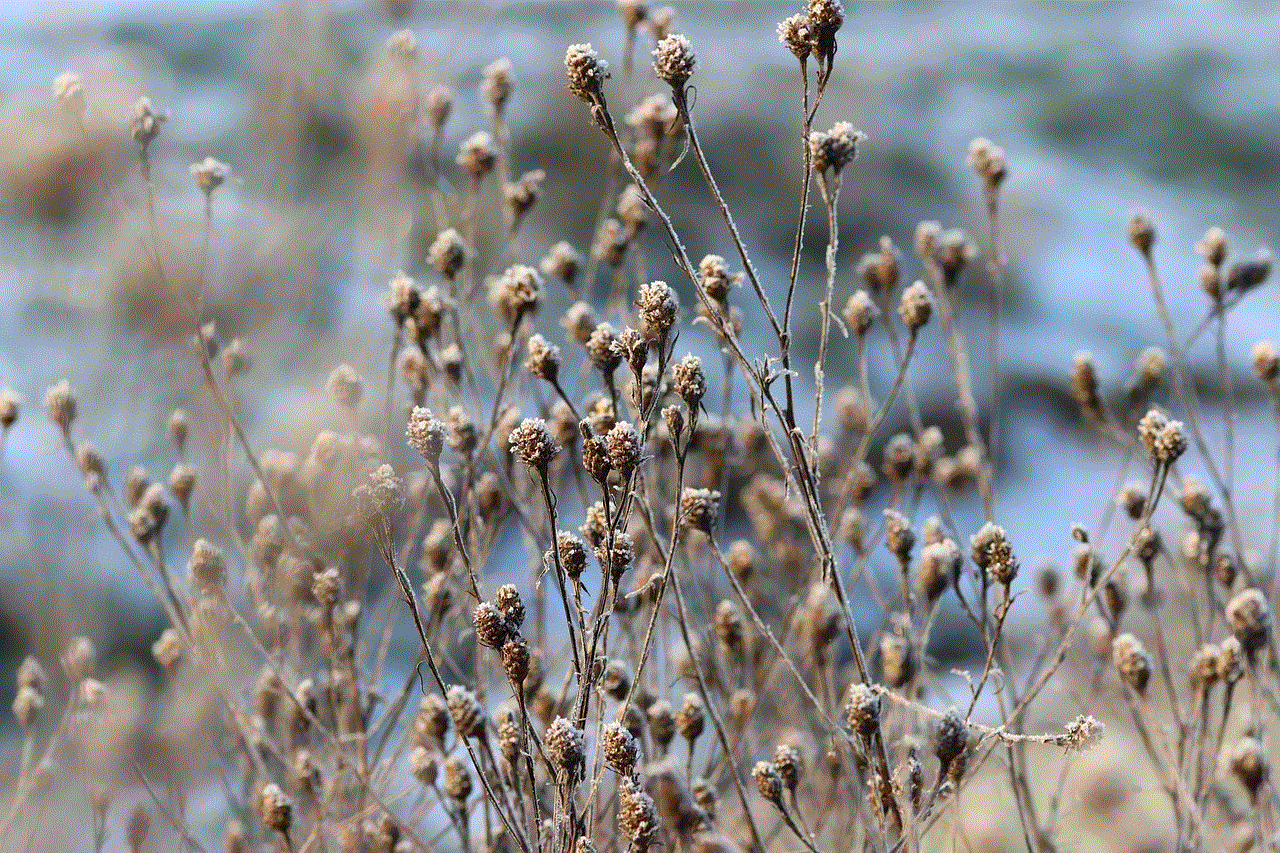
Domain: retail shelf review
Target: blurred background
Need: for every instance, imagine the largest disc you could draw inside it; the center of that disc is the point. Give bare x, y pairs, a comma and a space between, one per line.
1171, 108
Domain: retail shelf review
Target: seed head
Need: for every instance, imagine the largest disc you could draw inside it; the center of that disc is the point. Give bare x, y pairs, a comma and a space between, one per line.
563, 262
1202, 668
423, 764
477, 154
1149, 367
144, 123
1249, 764
625, 447
899, 537
439, 104
768, 781
916, 306
587, 72
795, 34
207, 567
209, 174
897, 659
518, 291
993, 553
1230, 660
1084, 383
516, 659
276, 809
951, 737
68, 91
565, 744
619, 748
834, 149
1132, 661
496, 83
673, 60
60, 405
691, 718
987, 159
1082, 733
954, 253
492, 628
860, 312
862, 710
825, 19
508, 600
426, 434
544, 358
467, 712
662, 722
637, 817
1142, 233
1266, 361
573, 553
345, 386
532, 442
789, 764
1213, 246
1244, 275
1250, 619
27, 703
1165, 440
457, 779
658, 308
699, 508
448, 253
938, 567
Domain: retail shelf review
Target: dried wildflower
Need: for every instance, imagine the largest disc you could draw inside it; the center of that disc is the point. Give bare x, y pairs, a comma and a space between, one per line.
625, 448
993, 553
439, 104
916, 306
1266, 361
477, 154
768, 782
563, 262
1230, 660
1132, 661
587, 72
532, 442
1083, 733
60, 405
1084, 383
492, 628
953, 254
1149, 367
619, 748
1165, 440
521, 196
423, 764
209, 174
673, 60
565, 746
462, 431
27, 703
457, 779
836, 148
544, 358
691, 717
1213, 246
699, 508
662, 722
939, 565
860, 312
1250, 619
1142, 233
518, 292
862, 710
1249, 764
167, 651
275, 808
951, 737
795, 34
727, 624
448, 253
402, 297
1202, 668
632, 208
637, 816
496, 83
632, 347
658, 308
825, 19
144, 123
426, 434
899, 537
516, 659
207, 567
508, 600
467, 712
987, 159
345, 386
68, 91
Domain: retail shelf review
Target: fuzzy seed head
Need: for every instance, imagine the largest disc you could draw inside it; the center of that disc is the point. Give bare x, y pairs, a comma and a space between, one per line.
658, 306
426, 434
916, 306
563, 261
994, 554
699, 508
448, 252
275, 808
1213, 246
457, 779
1250, 619
625, 447
795, 34
862, 710
532, 442
565, 745
1132, 661
1249, 764
619, 748
573, 553
1266, 361
987, 159
68, 91
60, 404
789, 764
423, 764
477, 154
144, 123
544, 358
439, 105
689, 382
1142, 233
1082, 733
516, 659
825, 19
587, 72
492, 628
673, 60
209, 174
951, 737
1231, 660
518, 291
467, 712
768, 781
637, 816
836, 148
496, 83
691, 718
662, 722
939, 565
207, 567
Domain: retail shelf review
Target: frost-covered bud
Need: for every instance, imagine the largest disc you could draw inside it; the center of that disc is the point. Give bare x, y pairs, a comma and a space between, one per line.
637, 815
492, 628
439, 105
587, 72
563, 262
825, 19
834, 149
689, 382
516, 659
994, 554
1266, 361
518, 291
952, 736
457, 779
916, 306
345, 386
496, 83
276, 809
691, 717
862, 710
1132, 661
209, 174
144, 122
768, 781
1142, 233
673, 60
1213, 246
1250, 619
467, 713
207, 567
788, 763
532, 442
939, 565
699, 508
544, 358
620, 749
60, 404
795, 34
565, 746
477, 154
426, 434
860, 312
508, 600
423, 764
987, 159
624, 444
573, 554
448, 253
658, 306
68, 91
601, 349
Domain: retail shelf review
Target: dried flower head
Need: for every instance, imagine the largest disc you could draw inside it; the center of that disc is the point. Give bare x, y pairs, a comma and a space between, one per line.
1249, 764
587, 72
825, 19
658, 306
768, 781
938, 567
836, 148
625, 448
916, 306
562, 261
689, 382
492, 627
467, 712
275, 808
345, 386
448, 253
662, 722
795, 34
691, 717
1082, 733
457, 779
699, 508
860, 312
1142, 233
532, 442
1132, 661
144, 123
496, 82
543, 358
209, 174
1250, 618
987, 159
426, 434
207, 567
1164, 439
1266, 361
673, 60
565, 746
952, 736
637, 816
862, 710
68, 91
517, 292
619, 748
477, 154
994, 554
60, 405
439, 105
